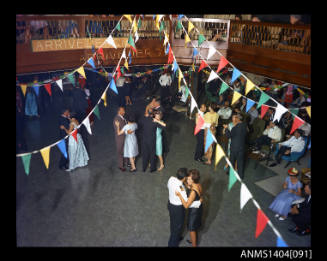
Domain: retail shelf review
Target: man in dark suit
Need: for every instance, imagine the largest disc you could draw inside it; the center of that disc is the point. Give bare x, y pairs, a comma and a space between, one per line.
301, 214
237, 146
120, 139
64, 120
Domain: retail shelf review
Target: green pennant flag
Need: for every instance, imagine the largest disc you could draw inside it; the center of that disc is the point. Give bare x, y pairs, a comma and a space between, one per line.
139, 23
26, 161
122, 70
263, 98
131, 43
71, 78
118, 26
294, 111
178, 26
232, 178
223, 88
162, 26
201, 39
97, 112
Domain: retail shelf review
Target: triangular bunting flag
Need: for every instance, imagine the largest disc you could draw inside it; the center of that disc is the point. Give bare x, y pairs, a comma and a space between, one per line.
195, 52
167, 49
74, 134
212, 76
281, 243
201, 39
129, 18
223, 88
280, 110
175, 66
211, 52
262, 221
294, 111
236, 74
23, 87
297, 122
59, 83
190, 27
130, 57
81, 71
131, 43
45, 152
26, 162
71, 78
178, 26
249, 104
180, 17
139, 23
245, 195
47, 86
203, 65
91, 62
104, 98
113, 86
180, 76
126, 64
193, 104
199, 124
263, 98
223, 62
123, 54
86, 123
162, 26
209, 140
110, 41
232, 178
187, 39
36, 88
136, 36
118, 26
170, 56
97, 112
219, 154
62, 147
236, 96
134, 26
308, 109
264, 109
100, 51
249, 86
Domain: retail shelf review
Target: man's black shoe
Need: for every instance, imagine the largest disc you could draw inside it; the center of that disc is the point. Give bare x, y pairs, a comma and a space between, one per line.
199, 160
189, 241
293, 230
302, 233
273, 164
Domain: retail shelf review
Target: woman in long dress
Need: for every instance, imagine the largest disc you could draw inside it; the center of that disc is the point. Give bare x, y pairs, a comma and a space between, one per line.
130, 144
31, 103
78, 156
194, 194
291, 191
157, 119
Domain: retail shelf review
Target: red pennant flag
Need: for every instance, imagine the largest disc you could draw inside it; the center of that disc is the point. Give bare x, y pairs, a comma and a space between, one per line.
297, 122
262, 221
199, 125
74, 134
118, 74
203, 65
100, 51
48, 88
264, 109
170, 56
223, 62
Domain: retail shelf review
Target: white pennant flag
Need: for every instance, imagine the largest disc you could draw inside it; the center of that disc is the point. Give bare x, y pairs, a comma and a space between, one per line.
86, 122
124, 54
211, 52
212, 76
280, 110
136, 36
193, 104
245, 195
59, 82
166, 39
110, 41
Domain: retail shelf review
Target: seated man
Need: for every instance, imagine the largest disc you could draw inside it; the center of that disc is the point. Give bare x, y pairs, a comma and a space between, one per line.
294, 144
301, 214
225, 112
270, 135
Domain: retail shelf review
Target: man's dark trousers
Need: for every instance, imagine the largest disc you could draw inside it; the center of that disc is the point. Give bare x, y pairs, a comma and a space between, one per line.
238, 156
149, 154
177, 215
281, 152
199, 150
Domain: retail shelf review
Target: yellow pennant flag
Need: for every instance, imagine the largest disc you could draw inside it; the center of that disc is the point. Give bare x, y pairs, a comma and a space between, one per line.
104, 98
236, 96
249, 86
81, 71
134, 26
308, 110
190, 27
180, 76
219, 154
126, 64
300, 91
23, 87
193, 68
128, 17
166, 39
45, 152
187, 39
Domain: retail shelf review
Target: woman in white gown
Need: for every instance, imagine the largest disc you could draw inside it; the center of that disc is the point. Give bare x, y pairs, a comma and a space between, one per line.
78, 156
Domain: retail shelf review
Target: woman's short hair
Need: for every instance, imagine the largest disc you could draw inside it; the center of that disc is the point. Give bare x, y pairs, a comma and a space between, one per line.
195, 175
181, 173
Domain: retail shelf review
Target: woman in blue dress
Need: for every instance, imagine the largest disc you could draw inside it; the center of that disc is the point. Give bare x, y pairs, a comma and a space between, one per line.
291, 191
157, 119
31, 103
78, 156
131, 149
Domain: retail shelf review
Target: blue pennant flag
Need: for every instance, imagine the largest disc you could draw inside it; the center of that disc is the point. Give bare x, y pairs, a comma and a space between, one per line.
236, 74
281, 242
36, 89
154, 17
91, 62
195, 52
249, 104
93, 49
62, 146
209, 140
130, 57
167, 49
180, 16
113, 86
175, 66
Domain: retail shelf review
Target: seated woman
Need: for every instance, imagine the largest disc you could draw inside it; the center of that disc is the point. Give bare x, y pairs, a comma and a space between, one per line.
291, 191
195, 194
